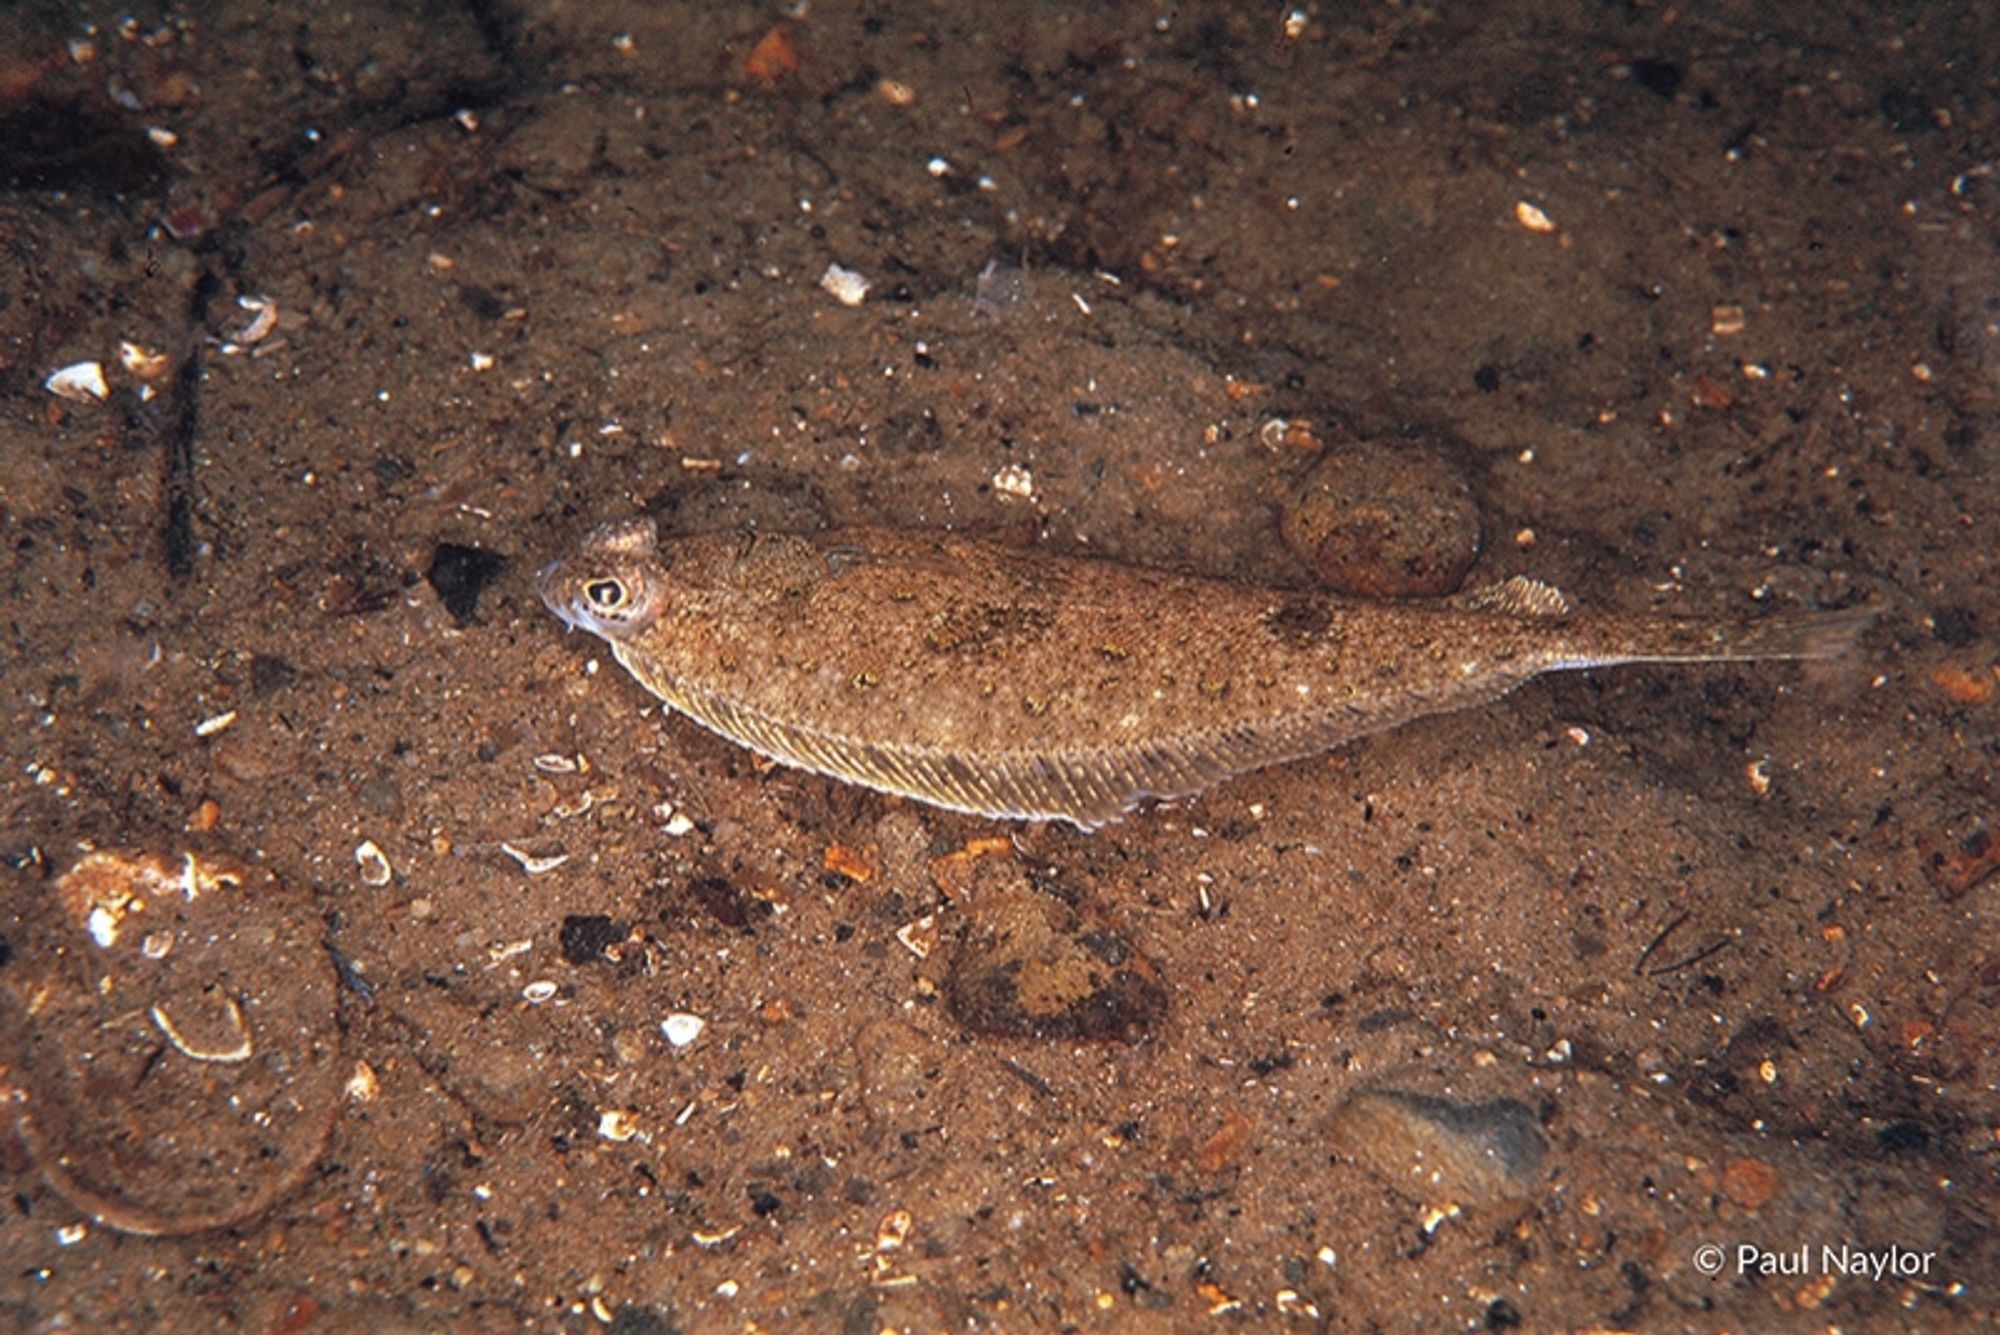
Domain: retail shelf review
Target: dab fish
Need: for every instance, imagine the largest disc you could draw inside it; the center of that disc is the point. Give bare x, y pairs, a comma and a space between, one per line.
1010, 684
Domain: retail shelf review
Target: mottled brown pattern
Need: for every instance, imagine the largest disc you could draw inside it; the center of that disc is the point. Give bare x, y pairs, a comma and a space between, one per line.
1299, 620
1012, 684
977, 627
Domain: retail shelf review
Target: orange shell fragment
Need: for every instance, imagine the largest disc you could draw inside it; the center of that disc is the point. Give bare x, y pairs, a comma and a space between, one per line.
1961, 687
773, 59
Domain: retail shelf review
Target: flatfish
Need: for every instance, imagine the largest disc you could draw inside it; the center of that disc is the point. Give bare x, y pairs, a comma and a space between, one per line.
1020, 685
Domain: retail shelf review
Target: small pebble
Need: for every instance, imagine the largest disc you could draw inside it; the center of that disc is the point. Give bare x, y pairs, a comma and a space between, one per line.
615, 1124
1749, 1182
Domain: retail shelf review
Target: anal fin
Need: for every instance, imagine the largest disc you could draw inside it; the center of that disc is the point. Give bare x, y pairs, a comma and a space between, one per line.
1517, 596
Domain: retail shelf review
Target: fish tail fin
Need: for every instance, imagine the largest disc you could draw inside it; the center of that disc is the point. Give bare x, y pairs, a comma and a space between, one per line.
1821, 635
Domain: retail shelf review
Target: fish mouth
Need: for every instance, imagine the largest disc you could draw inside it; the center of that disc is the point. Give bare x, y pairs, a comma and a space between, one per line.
565, 609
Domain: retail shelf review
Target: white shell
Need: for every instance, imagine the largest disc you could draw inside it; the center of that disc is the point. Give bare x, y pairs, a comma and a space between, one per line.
81, 382
102, 924
682, 1029
615, 1124
374, 863
531, 864
848, 287
1014, 480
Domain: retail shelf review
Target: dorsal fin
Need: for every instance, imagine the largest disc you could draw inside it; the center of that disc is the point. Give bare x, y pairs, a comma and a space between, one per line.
629, 537
1518, 596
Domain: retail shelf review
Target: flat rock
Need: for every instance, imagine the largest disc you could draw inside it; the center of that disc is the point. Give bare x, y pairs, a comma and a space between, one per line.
168, 1032
1031, 966
1442, 1148
1390, 519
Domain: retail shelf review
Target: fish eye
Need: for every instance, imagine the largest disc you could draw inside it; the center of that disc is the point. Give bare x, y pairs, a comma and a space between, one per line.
606, 595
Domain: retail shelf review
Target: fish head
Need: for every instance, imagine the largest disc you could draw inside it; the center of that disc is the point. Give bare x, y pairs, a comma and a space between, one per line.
612, 587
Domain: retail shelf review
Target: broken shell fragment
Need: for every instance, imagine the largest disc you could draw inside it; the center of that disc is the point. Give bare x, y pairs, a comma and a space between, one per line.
141, 361
80, 382
1014, 481
920, 938
531, 863
263, 319
374, 864
618, 1125
844, 285
894, 1230
682, 1029
363, 1086
215, 723
1532, 217
231, 1044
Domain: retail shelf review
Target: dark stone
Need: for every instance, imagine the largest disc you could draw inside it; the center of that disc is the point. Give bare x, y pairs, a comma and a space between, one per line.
911, 433
270, 674
1661, 78
460, 574
1904, 1136
391, 471
482, 303
1907, 110
1953, 627
586, 937
725, 904
641, 1321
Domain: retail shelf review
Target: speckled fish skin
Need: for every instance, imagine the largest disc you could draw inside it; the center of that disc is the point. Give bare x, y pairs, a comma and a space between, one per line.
1020, 685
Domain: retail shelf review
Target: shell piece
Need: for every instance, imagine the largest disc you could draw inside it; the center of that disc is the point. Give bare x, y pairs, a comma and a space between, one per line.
682, 1028
993, 681
844, 285
374, 864
80, 382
